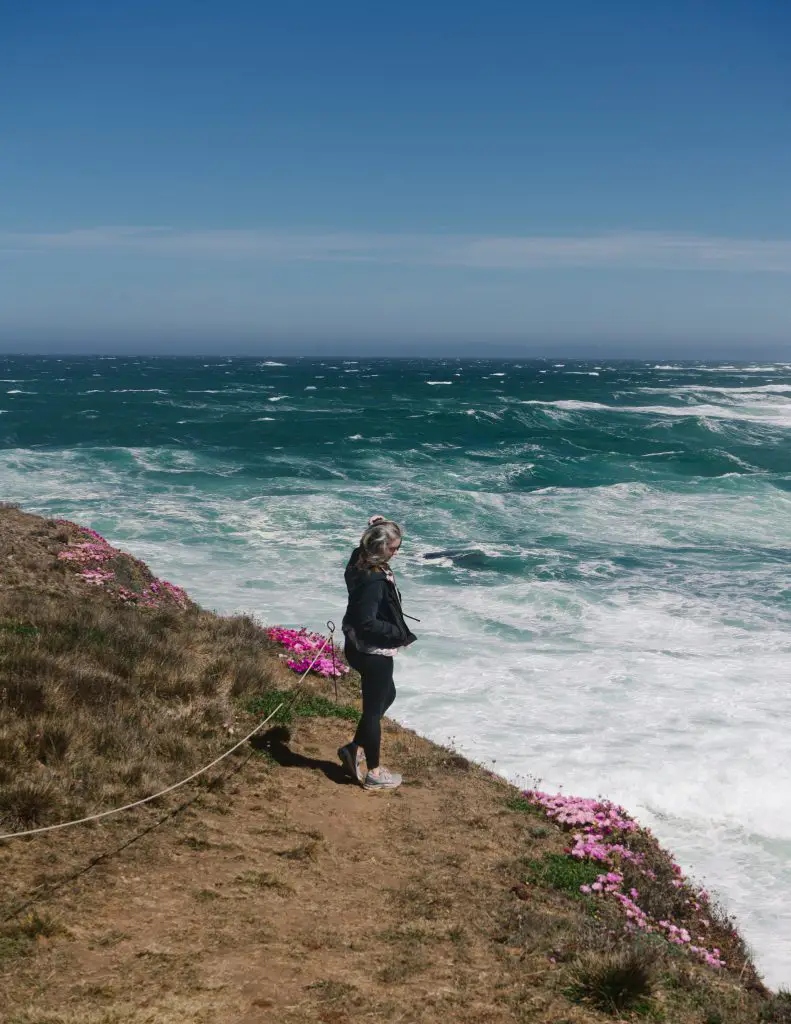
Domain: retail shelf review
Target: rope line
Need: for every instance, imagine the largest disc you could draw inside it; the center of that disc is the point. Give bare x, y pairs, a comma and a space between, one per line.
176, 785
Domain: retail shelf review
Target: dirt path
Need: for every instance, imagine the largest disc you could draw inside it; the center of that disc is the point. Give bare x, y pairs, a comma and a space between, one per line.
295, 896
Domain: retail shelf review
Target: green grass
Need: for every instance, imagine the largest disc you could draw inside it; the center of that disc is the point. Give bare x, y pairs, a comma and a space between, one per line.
520, 803
305, 706
20, 628
559, 871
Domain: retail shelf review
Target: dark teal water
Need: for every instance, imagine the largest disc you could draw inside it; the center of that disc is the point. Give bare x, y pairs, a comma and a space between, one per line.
612, 612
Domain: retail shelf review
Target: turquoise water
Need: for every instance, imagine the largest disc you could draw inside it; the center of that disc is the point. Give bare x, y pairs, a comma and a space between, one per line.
613, 617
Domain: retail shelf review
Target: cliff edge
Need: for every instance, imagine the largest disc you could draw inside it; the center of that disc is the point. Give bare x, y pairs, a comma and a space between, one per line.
273, 888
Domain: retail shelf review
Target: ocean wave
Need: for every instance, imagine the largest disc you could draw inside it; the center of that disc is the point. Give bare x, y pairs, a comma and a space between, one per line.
607, 577
776, 416
759, 389
738, 369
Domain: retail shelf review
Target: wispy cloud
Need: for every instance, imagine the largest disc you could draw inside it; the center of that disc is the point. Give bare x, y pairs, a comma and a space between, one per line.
624, 249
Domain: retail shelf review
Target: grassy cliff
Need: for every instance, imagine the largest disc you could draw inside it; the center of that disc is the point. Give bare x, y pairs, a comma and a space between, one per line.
273, 888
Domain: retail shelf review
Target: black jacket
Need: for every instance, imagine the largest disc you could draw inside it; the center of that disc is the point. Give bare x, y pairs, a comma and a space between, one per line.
374, 609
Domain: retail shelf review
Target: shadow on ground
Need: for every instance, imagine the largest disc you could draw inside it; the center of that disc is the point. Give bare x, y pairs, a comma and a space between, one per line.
275, 743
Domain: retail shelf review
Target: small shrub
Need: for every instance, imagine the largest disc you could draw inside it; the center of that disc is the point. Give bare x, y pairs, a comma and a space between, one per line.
53, 740
26, 802
12, 750
247, 676
17, 937
207, 895
263, 880
613, 981
778, 1009
333, 990
305, 851
25, 696
34, 924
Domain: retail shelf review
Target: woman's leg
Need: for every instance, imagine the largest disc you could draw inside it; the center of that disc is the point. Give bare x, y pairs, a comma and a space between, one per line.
376, 671
391, 696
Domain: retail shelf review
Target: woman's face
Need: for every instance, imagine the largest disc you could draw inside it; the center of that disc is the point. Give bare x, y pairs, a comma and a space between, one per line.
392, 549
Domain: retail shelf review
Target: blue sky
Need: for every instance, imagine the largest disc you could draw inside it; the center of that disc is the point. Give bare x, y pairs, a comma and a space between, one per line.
521, 177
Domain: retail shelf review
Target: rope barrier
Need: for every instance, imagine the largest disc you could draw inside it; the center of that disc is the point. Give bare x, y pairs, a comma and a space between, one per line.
183, 782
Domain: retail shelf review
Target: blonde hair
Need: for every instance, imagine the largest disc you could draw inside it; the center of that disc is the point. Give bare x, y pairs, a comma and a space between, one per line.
376, 540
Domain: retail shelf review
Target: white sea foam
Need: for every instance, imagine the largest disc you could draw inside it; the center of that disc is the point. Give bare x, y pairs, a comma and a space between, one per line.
759, 389
271, 362
736, 369
439, 382
771, 415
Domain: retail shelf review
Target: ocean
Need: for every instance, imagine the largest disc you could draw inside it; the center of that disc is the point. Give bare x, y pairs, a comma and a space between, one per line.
612, 612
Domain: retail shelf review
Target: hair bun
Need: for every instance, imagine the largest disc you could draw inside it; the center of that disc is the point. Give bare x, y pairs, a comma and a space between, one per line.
376, 519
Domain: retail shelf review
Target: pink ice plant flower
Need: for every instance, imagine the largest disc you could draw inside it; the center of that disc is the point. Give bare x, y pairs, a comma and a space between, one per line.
304, 646
603, 823
96, 552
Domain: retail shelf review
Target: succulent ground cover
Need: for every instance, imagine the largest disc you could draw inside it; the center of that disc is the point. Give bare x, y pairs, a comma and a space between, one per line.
640, 878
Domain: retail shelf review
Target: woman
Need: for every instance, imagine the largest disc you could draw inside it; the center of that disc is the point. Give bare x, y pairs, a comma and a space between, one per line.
375, 629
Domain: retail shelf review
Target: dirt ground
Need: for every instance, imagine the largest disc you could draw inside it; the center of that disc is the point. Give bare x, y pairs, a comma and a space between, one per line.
275, 889
292, 895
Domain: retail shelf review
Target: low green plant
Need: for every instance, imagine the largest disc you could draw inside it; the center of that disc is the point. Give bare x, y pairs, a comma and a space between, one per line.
20, 629
304, 706
520, 803
559, 871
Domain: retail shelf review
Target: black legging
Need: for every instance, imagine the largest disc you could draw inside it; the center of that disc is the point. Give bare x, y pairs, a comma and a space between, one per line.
376, 671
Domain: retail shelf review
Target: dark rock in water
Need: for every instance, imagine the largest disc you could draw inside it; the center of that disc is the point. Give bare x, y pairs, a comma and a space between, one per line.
475, 560
470, 558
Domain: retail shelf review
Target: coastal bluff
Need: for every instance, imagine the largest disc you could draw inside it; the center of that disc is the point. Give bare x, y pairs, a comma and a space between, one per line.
272, 888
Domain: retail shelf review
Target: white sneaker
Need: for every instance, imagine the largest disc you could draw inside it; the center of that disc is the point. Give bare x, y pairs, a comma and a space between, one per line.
383, 779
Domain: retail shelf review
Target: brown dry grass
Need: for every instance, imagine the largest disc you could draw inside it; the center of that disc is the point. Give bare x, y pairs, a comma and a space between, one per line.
281, 891
101, 703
